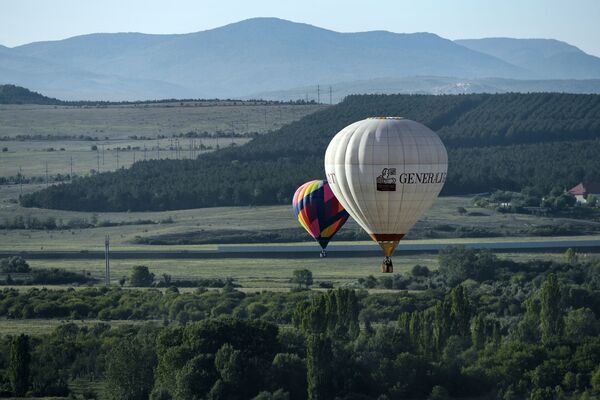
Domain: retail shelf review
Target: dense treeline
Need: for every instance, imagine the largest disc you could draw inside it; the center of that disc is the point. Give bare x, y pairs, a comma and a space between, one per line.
486, 328
11, 94
541, 167
494, 142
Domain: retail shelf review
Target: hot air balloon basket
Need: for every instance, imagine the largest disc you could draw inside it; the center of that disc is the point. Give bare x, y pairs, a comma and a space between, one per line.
387, 267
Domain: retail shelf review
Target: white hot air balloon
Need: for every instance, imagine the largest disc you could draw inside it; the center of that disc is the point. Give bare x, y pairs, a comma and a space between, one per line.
386, 172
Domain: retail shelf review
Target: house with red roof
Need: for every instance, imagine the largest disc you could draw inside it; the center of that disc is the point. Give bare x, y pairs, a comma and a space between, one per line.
583, 190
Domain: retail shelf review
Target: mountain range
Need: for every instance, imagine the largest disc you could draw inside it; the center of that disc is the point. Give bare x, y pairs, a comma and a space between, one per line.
263, 55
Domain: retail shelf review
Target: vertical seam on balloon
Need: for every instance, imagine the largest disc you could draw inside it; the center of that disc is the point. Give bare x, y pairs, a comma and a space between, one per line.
355, 206
363, 213
360, 211
367, 215
401, 210
423, 194
373, 158
387, 194
350, 204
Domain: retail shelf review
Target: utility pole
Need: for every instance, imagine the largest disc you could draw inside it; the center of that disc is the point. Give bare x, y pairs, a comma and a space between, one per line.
46, 173
106, 261
97, 162
330, 95
102, 155
144, 151
318, 93
20, 181
158, 150
117, 157
133, 157
71, 169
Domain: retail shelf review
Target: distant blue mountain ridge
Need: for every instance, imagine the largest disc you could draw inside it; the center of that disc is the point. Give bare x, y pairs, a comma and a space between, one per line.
263, 55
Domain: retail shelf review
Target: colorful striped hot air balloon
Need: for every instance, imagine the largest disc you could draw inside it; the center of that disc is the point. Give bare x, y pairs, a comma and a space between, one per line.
319, 211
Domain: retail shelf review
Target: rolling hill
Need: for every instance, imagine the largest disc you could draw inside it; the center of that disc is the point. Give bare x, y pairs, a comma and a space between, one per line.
504, 141
260, 55
431, 85
11, 94
546, 58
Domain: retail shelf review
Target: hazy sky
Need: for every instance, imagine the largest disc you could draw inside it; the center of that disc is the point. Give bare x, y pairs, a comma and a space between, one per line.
574, 21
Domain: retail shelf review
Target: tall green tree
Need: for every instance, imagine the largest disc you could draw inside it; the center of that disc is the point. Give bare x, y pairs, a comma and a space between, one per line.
478, 334
551, 313
460, 310
318, 365
570, 256
196, 378
130, 369
334, 313
18, 372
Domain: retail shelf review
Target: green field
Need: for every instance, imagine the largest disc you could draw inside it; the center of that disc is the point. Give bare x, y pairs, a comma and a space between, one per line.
249, 272
31, 158
114, 126
150, 120
251, 219
262, 273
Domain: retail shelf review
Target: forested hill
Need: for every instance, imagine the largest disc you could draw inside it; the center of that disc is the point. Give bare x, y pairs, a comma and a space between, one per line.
504, 141
11, 94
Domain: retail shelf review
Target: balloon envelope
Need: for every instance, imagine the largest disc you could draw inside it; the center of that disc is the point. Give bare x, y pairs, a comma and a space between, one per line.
386, 172
319, 211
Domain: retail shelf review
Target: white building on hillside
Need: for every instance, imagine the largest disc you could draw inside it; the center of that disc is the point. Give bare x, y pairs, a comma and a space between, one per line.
583, 190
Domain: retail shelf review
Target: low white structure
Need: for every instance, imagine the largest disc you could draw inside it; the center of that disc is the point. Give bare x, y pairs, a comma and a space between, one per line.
583, 190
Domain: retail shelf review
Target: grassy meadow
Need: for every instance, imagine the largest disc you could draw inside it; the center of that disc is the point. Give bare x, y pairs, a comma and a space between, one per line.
150, 120
186, 223
256, 272
131, 128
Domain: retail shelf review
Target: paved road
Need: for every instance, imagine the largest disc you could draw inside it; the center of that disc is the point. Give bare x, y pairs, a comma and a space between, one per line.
310, 251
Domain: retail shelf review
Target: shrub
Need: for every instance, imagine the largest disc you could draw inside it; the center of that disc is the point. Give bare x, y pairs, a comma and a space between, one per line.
15, 264
141, 276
